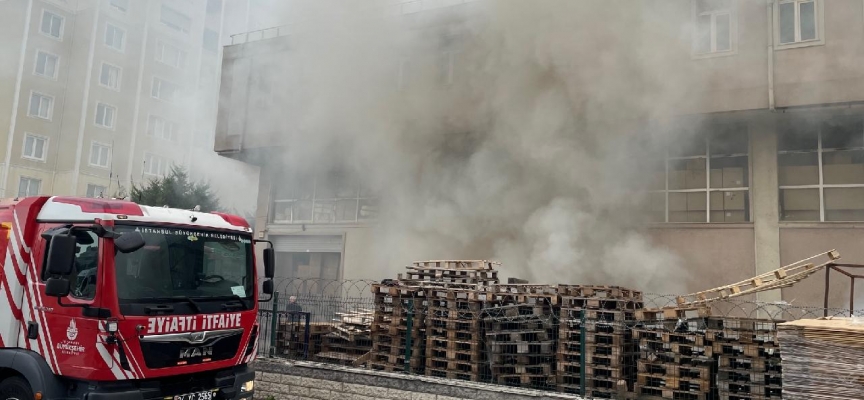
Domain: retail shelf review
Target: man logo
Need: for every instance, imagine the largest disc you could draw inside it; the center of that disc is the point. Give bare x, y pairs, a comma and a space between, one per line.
72, 330
191, 352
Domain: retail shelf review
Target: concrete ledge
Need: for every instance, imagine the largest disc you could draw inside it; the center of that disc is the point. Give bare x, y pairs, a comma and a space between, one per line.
306, 380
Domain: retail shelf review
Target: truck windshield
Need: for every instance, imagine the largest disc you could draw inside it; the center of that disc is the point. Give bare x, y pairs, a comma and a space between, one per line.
185, 263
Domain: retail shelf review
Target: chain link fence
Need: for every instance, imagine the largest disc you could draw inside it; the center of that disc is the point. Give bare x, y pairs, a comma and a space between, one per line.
600, 342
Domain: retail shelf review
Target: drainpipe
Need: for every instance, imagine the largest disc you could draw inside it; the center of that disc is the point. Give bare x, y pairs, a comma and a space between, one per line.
770, 24
13, 120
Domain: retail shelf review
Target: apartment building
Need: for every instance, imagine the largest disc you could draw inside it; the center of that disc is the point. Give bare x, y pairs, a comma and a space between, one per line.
768, 100
100, 94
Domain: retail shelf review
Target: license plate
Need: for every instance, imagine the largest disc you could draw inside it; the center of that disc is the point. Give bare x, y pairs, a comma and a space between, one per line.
205, 395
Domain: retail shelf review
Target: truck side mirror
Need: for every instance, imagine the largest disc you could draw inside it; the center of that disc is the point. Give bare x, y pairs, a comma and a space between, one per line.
61, 255
57, 287
129, 242
269, 263
268, 287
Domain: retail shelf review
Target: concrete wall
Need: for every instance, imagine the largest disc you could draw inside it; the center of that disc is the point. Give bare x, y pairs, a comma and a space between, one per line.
295, 381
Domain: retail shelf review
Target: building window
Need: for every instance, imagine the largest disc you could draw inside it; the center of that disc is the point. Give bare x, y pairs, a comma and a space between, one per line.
94, 191
163, 90
169, 55
41, 106
46, 64
120, 5
161, 128
821, 170
175, 20
110, 76
100, 155
799, 21
105, 115
52, 24
115, 37
703, 180
35, 147
211, 40
155, 165
28, 187
714, 22
328, 199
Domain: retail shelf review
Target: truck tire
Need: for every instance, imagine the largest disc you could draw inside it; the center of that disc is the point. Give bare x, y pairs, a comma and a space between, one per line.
15, 388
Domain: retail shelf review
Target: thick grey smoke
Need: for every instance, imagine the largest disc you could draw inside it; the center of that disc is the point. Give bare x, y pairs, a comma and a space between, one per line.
530, 146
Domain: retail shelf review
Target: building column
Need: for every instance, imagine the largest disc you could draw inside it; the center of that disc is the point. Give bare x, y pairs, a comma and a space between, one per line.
262, 210
765, 198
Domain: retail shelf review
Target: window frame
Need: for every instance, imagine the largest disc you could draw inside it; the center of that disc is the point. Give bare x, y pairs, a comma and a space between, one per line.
50, 105
732, 11
119, 76
821, 185
707, 190
62, 24
163, 167
358, 198
176, 30
159, 54
93, 145
29, 181
122, 48
178, 89
25, 156
819, 9
56, 64
152, 118
113, 116
95, 186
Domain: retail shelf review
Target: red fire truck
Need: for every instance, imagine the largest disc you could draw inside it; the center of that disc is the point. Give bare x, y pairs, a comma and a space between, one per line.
108, 299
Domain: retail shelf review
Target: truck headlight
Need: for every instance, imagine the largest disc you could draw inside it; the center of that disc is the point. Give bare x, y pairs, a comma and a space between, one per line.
248, 386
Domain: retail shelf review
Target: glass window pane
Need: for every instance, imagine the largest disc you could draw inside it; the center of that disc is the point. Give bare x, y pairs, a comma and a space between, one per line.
843, 133
346, 210
787, 22
729, 140
729, 172
731, 206
302, 210
808, 20
40, 147
28, 146
798, 134
687, 145
687, 174
703, 34
724, 29
797, 169
843, 167
844, 204
799, 204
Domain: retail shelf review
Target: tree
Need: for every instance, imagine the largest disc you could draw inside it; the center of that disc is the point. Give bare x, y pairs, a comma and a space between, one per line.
175, 190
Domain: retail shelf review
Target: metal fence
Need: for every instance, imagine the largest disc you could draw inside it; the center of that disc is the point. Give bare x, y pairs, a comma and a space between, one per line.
612, 344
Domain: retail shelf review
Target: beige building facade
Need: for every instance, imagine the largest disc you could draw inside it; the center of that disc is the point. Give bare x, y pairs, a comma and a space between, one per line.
769, 94
97, 95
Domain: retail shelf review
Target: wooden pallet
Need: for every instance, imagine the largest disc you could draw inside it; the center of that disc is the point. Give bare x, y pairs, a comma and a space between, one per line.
608, 292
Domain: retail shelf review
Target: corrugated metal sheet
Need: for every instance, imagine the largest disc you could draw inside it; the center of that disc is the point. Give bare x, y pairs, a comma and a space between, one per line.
307, 243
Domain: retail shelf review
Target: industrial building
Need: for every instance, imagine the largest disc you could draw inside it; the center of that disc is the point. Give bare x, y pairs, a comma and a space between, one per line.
772, 170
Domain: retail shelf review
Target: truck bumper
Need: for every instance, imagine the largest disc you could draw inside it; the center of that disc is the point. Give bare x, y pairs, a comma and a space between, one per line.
229, 383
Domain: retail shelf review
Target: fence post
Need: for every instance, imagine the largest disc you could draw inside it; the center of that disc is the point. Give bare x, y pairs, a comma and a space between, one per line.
409, 325
582, 352
274, 322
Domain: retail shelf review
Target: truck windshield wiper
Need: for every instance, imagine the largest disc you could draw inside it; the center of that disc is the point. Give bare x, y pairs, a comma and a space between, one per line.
225, 297
172, 298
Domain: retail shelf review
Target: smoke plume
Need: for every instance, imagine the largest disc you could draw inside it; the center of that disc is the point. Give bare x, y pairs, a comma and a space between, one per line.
509, 130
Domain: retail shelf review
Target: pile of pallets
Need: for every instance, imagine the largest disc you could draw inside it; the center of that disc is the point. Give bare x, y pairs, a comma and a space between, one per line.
349, 339
674, 364
454, 334
521, 325
595, 332
444, 273
748, 358
291, 338
398, 328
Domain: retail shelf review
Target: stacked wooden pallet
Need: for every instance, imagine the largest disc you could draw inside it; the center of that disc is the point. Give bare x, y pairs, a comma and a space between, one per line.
604, 340
445, 273
454, 334
675, 361
748, 358
822, 358
291, 338
349, 339
521, 326
398, 328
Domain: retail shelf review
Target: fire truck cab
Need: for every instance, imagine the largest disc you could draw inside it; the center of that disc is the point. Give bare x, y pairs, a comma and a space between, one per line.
108, 299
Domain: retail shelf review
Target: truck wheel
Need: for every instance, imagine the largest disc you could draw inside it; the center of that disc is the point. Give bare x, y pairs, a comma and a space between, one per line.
15, 388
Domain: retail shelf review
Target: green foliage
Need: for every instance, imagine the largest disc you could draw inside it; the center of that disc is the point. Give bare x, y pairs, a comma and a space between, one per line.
175, 190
